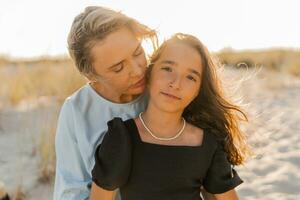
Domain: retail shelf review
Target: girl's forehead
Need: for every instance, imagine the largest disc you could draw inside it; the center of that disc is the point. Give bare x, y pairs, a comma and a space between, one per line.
177, 49
180, 53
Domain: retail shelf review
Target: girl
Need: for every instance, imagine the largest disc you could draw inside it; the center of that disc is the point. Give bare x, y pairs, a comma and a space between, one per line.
187, 138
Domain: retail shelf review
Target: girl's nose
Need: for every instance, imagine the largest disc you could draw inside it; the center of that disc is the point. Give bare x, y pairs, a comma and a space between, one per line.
175, 83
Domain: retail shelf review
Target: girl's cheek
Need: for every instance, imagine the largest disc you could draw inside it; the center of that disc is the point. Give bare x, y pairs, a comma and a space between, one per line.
158, 77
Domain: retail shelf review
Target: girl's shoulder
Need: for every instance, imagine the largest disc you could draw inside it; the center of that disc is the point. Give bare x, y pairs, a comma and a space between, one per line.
194, 135
113, 156
207, 135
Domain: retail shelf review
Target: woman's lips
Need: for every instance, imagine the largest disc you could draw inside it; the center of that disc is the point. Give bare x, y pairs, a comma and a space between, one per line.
171, 96
140, 83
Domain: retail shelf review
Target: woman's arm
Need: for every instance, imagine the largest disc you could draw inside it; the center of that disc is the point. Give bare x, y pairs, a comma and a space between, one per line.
98, 193
70, 179
229, 195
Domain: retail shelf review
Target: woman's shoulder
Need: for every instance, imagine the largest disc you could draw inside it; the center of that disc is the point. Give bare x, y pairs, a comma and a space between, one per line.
79, 94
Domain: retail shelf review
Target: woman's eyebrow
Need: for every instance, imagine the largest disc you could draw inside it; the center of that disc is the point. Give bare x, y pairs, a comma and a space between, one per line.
137, 48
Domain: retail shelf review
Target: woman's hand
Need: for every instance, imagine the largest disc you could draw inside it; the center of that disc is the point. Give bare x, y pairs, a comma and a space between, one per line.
98, 193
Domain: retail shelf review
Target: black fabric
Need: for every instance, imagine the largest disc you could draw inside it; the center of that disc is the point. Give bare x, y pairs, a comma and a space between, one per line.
221, 177
113, 157
147, 171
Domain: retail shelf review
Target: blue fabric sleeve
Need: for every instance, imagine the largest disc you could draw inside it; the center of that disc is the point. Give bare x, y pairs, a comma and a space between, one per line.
70, 179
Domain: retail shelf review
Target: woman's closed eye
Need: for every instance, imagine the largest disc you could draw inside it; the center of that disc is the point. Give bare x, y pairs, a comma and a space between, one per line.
118, 68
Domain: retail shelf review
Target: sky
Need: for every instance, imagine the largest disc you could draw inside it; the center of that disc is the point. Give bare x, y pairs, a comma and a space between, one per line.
34, 28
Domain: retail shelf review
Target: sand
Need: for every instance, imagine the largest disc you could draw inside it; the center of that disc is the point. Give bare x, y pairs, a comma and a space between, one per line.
272, 99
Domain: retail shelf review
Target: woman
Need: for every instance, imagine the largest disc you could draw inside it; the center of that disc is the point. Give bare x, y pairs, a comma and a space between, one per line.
187, 138
105, 46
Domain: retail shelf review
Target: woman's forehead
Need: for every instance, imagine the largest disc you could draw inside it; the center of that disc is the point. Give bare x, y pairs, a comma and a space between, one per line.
116, 47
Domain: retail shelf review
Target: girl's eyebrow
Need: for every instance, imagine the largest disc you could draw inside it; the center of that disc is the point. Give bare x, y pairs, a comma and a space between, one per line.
195, 72
168, 62
174, 63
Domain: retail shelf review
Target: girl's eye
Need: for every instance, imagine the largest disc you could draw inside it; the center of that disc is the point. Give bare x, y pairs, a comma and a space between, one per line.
191, 78
168, 69
118, 69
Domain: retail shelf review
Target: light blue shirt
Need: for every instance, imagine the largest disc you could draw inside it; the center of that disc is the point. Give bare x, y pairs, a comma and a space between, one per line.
81, 126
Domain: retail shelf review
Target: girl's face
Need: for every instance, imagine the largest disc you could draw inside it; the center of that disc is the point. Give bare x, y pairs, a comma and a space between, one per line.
120, 63
175, 77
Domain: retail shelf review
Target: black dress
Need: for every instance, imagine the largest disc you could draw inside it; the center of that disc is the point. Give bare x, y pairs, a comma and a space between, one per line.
147, 171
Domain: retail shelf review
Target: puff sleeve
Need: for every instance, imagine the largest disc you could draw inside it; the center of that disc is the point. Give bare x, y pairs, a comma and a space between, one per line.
113, 157
221, 177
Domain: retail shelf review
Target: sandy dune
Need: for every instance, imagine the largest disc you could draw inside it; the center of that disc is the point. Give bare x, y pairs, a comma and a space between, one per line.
275, 135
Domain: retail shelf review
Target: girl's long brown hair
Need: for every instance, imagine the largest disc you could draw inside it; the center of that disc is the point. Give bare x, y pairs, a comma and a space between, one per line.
211, 109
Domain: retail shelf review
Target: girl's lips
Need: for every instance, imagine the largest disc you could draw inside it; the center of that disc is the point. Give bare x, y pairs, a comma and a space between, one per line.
171, 96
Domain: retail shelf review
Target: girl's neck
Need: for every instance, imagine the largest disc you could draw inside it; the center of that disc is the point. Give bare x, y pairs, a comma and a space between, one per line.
162, 123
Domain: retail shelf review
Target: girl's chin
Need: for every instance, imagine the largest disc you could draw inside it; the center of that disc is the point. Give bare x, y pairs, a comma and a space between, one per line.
168, 107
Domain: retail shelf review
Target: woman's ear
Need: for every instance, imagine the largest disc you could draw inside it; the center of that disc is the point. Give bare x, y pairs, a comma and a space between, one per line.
93, 78
90, 77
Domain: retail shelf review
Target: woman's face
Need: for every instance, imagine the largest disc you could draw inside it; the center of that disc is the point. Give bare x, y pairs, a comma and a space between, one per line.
175, 77
120, 63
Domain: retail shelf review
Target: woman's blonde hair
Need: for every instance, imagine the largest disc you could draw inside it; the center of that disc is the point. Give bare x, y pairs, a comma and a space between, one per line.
94, 24
211, 109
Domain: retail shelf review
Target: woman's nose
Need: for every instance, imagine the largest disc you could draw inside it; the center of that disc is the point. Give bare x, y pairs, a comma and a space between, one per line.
136, 69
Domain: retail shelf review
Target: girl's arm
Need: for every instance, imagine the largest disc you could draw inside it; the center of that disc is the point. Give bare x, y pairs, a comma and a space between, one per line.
206, 195
229, 195
100, 193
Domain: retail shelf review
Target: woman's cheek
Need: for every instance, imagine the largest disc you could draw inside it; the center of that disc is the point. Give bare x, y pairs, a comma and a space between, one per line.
142, 61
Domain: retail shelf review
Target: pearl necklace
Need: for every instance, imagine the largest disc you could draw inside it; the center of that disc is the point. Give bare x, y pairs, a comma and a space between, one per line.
159, 138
